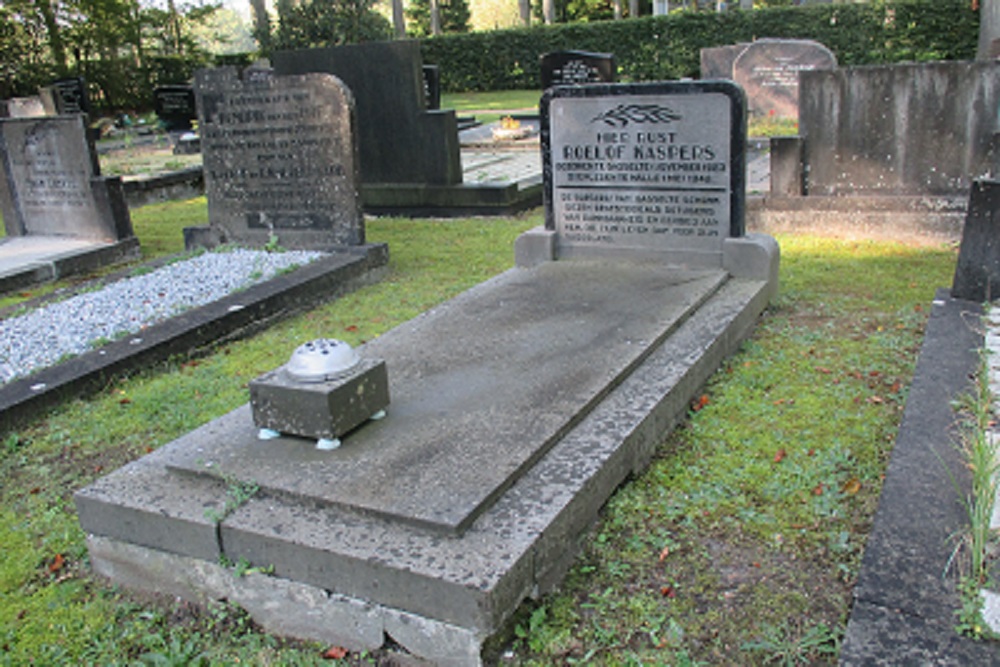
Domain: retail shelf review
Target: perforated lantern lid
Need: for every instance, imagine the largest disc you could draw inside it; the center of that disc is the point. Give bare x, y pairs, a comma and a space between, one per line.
321, 360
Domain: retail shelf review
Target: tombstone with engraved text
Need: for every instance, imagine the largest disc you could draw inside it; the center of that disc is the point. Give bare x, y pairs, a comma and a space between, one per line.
566, 68
280, 160
645, 169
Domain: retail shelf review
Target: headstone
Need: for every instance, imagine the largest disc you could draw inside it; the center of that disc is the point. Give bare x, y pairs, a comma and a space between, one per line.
66, 96
175, 107
716, 62
432, 86
977, 273
22, 107
279, 159
399, 139
51, 182
567, 68
768, 70
641, 169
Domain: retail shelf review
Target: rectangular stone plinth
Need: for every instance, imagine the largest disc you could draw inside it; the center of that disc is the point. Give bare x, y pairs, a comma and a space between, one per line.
319, 409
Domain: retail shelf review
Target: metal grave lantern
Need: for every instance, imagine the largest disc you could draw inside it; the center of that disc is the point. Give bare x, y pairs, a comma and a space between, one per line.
324, 391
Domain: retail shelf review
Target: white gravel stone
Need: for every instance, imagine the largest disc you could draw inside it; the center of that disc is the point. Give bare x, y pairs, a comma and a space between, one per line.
58, 330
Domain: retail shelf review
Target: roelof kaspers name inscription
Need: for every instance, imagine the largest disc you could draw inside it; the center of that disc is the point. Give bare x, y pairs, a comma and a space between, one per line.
649, 166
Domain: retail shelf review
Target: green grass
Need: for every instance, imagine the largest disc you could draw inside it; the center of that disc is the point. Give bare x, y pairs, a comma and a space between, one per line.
739, 544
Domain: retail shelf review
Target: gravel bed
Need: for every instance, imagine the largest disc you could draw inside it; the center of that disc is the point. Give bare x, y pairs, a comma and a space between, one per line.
76, 325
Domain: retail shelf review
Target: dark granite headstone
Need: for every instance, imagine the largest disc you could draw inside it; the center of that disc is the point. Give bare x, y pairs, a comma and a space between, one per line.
51, 183
399, 139
280, 159
567, 68
644, 168
175, 107
66, 96
977, 274
768, 70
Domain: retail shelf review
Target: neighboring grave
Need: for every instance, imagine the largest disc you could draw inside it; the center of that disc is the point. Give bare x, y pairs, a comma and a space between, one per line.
768, 70
280, 160
567, 68
645, 169
66, 96
977, 273
717, 61
22, 107
432, 86
400, 141
175, 107
52, 185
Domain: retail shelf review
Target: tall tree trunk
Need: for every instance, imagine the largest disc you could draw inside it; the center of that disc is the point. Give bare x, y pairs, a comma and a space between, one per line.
524, 6
549, 11
262, 24
435, 17
633, 9
398, 19
54, 34
174, 26
989, 29
618, 9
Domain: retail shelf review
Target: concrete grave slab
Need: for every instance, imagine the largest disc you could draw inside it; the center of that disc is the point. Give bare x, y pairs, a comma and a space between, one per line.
470, 413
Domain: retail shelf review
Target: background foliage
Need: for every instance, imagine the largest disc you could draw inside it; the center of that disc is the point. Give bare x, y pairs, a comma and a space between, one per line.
668, 47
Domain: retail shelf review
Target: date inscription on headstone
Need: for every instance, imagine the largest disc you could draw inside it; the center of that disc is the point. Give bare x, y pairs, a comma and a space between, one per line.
645, 166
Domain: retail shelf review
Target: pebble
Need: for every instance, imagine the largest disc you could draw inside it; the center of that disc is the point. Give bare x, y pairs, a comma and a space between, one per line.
63, 329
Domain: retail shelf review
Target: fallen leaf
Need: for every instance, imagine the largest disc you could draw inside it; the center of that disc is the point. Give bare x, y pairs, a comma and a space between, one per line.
57, 563
811, 452
851, 486
351, 327
699, 402
124, 401
818, 489
668, 592
896, 386
35, 490
780, 455
664, 553
335, 653
824, 370
876, 400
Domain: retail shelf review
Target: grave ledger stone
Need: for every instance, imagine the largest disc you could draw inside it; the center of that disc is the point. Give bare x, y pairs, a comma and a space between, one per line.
399, 139
280, 161
644, 169
51, 183
567, 68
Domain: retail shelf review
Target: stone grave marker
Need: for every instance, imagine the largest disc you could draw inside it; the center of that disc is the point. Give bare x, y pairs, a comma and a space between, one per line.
51, 183
716, 62
22, 107
175, 107
977, 272
432, 86
66, 96
400, 140
565, 68
645, 169
280, 160
768, 70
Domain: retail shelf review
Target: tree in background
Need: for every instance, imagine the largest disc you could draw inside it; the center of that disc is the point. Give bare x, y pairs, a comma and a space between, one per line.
453, 16
316, 23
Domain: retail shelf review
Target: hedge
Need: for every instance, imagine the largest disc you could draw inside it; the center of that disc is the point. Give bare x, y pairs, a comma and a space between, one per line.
668, 47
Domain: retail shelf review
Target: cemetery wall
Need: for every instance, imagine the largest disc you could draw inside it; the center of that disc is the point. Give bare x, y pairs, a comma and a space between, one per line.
916, 129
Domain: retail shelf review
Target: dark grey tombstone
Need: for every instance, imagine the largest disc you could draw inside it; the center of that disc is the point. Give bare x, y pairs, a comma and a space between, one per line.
432, 86
51, 183
977, 274
645, 169
768, 70
717, 62
66, 96
568, 68
399, 140
787, 173
175, 107
279, 160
